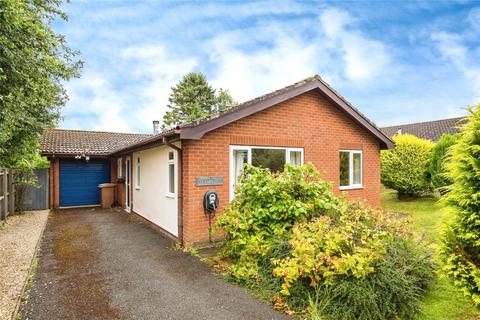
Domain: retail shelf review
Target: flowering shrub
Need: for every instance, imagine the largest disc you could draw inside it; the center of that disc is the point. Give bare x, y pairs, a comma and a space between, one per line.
290, 235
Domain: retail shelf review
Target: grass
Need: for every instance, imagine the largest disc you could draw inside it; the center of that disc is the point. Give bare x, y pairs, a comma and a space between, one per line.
429, 218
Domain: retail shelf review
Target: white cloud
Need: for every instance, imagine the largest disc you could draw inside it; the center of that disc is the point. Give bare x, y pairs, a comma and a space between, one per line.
268, 56
363, 58
94, 105
474, 18
157, 72
453, 49
128, 78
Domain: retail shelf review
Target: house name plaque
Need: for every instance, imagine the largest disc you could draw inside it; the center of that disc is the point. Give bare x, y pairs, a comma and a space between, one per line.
209, 181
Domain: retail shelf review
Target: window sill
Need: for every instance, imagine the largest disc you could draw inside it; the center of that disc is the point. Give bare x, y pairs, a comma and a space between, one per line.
137, 188
171, 195
350, 187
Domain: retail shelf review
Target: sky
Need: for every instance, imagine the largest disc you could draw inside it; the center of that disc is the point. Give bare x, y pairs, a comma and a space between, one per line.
397, 62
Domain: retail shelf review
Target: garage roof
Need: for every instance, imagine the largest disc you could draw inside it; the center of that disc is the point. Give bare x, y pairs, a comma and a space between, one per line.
79, 142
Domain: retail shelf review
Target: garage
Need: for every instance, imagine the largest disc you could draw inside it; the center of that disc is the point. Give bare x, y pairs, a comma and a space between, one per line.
79, 180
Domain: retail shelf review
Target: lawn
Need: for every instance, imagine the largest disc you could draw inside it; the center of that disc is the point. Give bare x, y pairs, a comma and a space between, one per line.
428, 219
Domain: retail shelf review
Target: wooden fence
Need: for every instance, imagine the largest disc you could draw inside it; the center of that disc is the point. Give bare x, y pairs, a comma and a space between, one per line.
7, 193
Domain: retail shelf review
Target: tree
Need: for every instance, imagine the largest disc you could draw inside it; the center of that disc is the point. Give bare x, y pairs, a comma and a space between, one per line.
224, 101
461, 245
193, 99
34, 63
404, 167
436, 169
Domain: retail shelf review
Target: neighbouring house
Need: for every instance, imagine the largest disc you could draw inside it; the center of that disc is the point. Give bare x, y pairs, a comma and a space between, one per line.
430, 130
163, 177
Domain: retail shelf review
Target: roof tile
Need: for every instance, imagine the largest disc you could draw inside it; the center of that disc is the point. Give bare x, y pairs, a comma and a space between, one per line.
430, 130
75, 142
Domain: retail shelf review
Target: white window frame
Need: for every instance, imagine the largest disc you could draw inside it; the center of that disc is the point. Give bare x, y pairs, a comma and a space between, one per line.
351, 186
119, 168
169, 163
249, 160
138, 171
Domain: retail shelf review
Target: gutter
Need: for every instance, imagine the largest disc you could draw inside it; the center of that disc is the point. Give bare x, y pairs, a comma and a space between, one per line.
180, 189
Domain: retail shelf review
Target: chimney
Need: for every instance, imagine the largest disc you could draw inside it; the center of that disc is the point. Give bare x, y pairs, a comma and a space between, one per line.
156, 125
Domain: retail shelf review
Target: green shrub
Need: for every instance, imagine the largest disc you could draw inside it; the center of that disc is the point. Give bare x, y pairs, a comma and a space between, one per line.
404, 167
436, 167
306, 249
266, 206
393, 291
461, 250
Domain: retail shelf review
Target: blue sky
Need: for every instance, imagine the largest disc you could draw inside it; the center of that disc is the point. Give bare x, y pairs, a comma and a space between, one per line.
398, 62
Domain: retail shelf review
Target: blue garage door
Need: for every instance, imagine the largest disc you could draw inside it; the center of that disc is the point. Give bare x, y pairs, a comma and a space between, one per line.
79, 181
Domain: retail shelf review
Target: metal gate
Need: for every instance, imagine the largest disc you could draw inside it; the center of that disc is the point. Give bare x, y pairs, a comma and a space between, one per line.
36, 197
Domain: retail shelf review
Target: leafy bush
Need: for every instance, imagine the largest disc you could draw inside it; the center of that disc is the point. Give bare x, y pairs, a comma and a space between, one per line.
404, 167
291, 237
393, 291
436, 167
266, 206
461, 250
349, 245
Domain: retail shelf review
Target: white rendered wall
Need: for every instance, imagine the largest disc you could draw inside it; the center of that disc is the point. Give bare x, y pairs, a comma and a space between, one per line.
151, 199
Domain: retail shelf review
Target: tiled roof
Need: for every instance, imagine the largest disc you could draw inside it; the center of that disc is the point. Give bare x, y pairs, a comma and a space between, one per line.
431, 130
272, 94
77, 142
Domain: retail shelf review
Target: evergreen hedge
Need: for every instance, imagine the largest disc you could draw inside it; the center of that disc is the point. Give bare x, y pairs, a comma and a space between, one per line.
461, 249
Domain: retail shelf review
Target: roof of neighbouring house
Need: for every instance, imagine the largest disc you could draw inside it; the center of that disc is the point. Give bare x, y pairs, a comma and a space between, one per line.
430, 130
78, 142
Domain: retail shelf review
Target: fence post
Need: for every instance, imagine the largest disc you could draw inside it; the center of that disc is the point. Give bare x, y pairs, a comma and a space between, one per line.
11, 192
2, 197
5, 193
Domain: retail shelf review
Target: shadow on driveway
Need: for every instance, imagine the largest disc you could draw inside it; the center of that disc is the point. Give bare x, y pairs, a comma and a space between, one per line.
100, 264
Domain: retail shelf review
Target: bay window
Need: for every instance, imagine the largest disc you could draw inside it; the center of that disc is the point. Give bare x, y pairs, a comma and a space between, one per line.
350, 169
273, 158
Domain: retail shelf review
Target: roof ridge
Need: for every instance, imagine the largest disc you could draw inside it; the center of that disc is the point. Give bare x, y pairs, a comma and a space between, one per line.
423, 122
95, 131
251, 101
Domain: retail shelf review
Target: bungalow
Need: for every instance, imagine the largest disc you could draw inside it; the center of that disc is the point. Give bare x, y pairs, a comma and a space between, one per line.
163, 177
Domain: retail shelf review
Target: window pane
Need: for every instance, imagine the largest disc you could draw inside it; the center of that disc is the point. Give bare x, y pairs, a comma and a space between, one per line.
170, 155
273, 159
171, 178
138, 172
119, 168
239, 158
296, 158
344, 170
357, 168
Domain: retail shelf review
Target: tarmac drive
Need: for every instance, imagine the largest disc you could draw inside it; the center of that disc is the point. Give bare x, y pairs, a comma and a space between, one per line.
102, 264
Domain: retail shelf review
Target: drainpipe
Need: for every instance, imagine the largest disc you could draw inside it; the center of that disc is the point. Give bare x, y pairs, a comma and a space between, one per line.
180, 189
52, 205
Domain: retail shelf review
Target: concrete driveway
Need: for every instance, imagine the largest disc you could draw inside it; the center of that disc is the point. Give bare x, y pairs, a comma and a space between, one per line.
97, 264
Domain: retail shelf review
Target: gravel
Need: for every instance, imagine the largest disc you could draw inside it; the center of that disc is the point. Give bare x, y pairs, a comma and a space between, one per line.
19, 236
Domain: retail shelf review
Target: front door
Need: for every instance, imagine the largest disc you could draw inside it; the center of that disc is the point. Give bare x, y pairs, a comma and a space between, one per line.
128, 183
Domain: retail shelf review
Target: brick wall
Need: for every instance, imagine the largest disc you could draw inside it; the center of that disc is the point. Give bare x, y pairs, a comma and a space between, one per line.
308, 121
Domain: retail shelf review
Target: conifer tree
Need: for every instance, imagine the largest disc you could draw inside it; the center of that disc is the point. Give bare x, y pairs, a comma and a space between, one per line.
193, 98
461, 249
